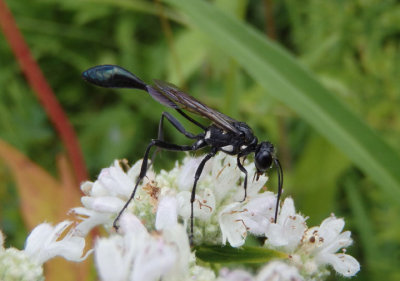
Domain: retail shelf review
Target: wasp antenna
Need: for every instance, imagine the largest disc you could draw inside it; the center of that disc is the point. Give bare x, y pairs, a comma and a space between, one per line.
280, 184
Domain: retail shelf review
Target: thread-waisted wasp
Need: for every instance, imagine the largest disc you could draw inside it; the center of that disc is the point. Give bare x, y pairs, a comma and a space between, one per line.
224, 134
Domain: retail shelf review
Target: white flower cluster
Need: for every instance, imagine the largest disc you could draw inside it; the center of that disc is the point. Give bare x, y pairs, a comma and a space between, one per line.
43, 244
311, 249
164, 199
152, 241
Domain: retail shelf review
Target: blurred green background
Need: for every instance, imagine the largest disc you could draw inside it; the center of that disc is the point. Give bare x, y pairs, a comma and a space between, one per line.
351, 47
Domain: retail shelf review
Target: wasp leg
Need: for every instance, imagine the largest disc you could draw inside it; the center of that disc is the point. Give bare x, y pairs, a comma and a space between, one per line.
243, 169
191, 119
143, 170
193, 196
177, 125
280, 184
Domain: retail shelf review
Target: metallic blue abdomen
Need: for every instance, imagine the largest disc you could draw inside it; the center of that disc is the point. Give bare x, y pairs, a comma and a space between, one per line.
112, 76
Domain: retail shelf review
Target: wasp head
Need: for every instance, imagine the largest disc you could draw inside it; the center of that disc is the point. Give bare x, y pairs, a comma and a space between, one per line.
263, 157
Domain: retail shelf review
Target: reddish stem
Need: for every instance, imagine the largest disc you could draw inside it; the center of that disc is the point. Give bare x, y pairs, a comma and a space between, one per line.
38, 83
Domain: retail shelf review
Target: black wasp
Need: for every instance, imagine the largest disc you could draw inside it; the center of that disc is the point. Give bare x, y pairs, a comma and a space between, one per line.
224, 134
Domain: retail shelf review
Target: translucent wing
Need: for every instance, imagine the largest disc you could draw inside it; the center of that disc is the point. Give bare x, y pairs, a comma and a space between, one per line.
187, 102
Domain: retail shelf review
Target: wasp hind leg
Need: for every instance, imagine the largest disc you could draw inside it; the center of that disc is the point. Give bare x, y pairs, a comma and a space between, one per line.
177, 126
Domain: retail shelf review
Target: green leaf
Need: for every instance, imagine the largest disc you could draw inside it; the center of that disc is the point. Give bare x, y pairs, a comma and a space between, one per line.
133, 5
191, 54
362, 223
320, 181
285, 79
218, 254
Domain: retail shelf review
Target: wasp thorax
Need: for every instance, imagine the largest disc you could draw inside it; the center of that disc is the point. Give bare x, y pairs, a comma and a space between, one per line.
263, 156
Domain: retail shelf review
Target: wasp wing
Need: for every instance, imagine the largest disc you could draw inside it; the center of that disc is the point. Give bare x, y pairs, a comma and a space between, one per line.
187, 102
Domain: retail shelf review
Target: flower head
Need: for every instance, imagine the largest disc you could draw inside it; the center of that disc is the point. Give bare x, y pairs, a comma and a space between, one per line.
152, 240
107, 195
323, 242
44, 242
16, 265
168, 195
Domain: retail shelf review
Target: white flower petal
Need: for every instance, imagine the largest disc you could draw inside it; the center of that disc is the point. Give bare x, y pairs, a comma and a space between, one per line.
275, 237
130, 224
254, 216
86, 187
116, 181
136, 237
341, 241
287, 209
177, 237
38, 238
167, 213
96, 190
106, 204
253, 186
259, 211
133, 174
70, 248
188, 170
295, 227
183, 199
203, 207
134, 171
110, 261
289, 229
90, 219
154, 261
232, 226
343, 264
204, 204
225, 176
330, 228
42, 245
